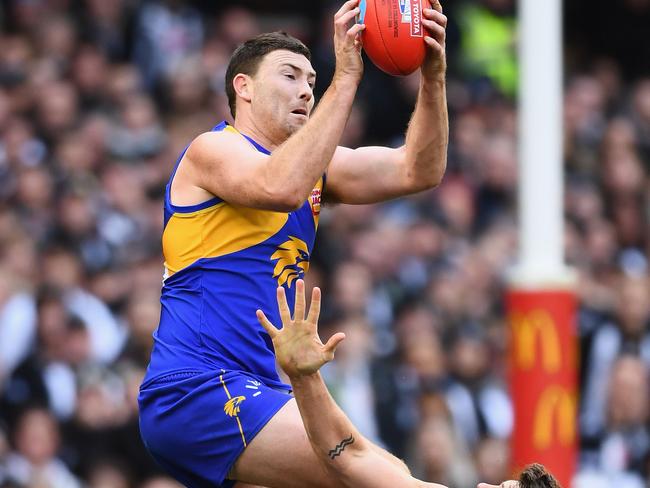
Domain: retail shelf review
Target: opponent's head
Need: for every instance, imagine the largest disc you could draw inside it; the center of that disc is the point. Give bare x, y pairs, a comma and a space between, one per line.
270, 78
536, 476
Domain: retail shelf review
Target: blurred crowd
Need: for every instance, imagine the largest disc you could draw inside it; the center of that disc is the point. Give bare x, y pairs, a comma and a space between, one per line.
97, 99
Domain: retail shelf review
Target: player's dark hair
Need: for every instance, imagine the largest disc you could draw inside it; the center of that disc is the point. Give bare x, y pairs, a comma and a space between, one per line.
247, 57
536, 476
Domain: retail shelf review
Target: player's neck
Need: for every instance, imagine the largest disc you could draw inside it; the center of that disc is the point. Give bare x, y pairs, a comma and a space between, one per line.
247, 126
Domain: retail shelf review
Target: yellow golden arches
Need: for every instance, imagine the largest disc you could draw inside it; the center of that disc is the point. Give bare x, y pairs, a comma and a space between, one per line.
555, 413
527, 328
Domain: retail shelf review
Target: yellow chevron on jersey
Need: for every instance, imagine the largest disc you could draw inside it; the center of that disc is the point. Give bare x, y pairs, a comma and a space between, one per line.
216, 231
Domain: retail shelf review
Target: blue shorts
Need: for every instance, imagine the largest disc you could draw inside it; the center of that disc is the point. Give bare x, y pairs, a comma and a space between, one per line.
196, 424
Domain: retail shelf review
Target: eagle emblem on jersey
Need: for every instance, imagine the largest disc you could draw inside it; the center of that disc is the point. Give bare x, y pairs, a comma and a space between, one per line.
292, 261
231, 407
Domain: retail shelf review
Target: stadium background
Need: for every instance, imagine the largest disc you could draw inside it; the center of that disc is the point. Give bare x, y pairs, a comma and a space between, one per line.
98, 97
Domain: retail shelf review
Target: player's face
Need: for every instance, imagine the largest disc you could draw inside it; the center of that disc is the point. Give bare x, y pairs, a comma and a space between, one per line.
283, 95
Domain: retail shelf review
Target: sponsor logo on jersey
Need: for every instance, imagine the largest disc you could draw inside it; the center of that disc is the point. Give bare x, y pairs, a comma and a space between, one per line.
315, 200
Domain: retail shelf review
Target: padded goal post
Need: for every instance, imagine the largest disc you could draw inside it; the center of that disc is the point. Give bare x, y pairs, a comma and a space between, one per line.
541, 303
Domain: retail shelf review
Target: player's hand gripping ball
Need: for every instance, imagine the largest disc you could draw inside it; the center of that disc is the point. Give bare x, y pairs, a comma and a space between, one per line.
394, 34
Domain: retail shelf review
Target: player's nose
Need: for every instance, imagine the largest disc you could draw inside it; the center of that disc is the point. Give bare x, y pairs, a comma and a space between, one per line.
306, 92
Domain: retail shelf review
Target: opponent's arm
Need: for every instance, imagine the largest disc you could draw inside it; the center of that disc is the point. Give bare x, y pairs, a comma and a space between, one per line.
224, 164
372, 174
335, 440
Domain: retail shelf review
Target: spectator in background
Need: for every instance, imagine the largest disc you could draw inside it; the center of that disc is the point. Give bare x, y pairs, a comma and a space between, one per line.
17, 325
492, 459
488, 43
161, 482
137, 133
108, 474
444, 459
63, 272
34, 463
45, 377
350, 378
620, 457
4, 450
626, 333
478, 404
109, 26
167, 32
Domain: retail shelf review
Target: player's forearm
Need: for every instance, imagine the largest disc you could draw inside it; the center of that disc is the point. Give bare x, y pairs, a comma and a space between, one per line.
333, 437
297, 164
338, 445
428, 135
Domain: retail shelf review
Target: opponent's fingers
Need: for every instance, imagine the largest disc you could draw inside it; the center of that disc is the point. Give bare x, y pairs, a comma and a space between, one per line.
436, 5
333, 343
314, 307
266, 323
346, 7
435, 29
283, 306
346, 18
355, 30
299, 307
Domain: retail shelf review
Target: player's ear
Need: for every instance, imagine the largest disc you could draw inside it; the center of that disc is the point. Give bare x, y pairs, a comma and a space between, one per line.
243, 86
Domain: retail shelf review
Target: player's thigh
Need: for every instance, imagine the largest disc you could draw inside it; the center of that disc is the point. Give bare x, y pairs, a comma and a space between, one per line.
280, 456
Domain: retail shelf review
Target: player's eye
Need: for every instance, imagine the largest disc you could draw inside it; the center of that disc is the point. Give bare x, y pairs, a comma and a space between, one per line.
290, 76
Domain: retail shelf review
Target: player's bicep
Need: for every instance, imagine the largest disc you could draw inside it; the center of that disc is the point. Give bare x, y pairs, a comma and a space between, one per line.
228, 167
365, 175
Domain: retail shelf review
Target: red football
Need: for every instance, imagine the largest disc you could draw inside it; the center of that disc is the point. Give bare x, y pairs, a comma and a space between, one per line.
394, 35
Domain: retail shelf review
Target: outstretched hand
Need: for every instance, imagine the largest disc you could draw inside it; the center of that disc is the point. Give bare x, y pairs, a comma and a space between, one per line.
298, 348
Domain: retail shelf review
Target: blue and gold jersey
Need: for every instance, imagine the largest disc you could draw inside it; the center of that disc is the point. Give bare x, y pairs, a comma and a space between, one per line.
222, 263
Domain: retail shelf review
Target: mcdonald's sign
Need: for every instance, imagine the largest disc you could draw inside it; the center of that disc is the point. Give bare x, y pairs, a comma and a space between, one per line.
555, 418
536, 326
543, 380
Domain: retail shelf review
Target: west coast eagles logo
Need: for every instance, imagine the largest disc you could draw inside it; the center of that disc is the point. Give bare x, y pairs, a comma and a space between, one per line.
292, 261
231, 407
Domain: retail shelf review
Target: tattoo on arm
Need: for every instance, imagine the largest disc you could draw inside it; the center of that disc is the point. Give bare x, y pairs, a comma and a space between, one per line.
338, 450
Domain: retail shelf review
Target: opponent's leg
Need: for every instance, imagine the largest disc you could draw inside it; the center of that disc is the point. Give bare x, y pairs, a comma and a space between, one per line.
280, 456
